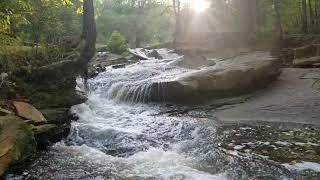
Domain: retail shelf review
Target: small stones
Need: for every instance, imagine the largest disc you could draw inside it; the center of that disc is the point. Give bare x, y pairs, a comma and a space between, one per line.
118, 66
279, 144
4, 112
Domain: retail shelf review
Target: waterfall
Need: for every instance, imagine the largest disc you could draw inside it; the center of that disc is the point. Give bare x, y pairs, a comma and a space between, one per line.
138, 82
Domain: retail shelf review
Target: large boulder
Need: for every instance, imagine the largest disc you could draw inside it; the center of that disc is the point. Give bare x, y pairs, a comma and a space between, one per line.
155, 54
17, 142
29, 112
227, 78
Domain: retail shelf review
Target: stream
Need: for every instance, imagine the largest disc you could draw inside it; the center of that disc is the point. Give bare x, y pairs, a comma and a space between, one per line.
120, 135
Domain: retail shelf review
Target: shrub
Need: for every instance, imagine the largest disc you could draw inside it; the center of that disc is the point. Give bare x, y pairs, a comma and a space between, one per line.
117, 43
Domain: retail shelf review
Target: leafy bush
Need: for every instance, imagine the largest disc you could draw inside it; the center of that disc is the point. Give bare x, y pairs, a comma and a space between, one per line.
117, 43
9, 40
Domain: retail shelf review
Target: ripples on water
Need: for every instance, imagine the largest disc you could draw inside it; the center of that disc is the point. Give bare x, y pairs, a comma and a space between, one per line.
119, 137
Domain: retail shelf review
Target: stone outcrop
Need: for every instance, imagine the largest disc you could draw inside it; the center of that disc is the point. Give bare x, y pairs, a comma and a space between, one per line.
227, 78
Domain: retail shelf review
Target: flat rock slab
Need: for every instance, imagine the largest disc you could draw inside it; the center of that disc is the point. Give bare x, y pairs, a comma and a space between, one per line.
227, 78
29, 112
294, 98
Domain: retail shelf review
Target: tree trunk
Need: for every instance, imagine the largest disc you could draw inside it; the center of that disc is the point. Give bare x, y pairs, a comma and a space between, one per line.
89, 33
13, 27
304, 16
278, 20
311, 15
247, 15
88, 37
253, 16
176, 8
139, 25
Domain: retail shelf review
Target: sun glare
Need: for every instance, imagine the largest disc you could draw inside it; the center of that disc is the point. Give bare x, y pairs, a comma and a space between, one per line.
200, 6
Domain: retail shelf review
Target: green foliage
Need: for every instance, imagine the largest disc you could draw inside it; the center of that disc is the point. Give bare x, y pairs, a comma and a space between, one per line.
151, 24
117, 43
6, 40
40, 21
10, 10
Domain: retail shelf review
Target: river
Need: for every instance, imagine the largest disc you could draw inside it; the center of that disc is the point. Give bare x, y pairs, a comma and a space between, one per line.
120, 135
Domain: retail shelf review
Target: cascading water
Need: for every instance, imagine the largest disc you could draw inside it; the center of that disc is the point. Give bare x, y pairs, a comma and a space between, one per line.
134, 83
118, 136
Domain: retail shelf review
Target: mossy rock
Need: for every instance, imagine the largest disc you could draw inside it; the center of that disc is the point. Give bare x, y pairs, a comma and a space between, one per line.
17, 142
55, 115
43, 128
63, 99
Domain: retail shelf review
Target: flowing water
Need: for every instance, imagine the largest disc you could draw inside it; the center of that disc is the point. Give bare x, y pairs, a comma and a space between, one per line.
119, 136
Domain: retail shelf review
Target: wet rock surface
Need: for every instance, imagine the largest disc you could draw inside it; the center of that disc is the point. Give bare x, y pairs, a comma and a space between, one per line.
280, 142
102, 60
155, 54
294, 97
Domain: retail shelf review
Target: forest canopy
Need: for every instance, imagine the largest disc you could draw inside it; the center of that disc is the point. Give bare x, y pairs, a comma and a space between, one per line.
147, 22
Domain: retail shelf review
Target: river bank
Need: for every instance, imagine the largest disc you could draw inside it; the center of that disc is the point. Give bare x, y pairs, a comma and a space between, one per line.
36, 94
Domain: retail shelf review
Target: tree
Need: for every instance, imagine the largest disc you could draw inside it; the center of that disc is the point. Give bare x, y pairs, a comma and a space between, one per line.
177, 11
304, 16
278, 19
138, 22
89, 32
